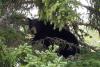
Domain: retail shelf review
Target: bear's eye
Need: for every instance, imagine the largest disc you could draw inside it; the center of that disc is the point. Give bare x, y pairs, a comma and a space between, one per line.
33, 30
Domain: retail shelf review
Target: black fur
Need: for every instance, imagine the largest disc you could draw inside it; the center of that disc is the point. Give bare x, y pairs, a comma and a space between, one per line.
46, 30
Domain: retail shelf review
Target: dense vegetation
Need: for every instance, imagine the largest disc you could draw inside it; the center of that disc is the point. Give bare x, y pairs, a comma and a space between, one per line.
15, 48
24, 57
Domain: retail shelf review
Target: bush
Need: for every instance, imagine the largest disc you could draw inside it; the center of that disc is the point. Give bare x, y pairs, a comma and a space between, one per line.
26, 57
46, 58
7, 58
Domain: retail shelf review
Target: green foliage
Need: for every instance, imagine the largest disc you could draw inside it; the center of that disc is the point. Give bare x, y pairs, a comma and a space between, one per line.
9, 57
95, 12
22, 51
85, 63
2, 3
13, 29
94, 15
11, 6
8, 34
46, 62
46, 58
49, 58
59, 12
17, 17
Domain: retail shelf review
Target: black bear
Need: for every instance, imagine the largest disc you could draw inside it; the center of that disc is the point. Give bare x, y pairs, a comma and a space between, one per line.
42, 31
